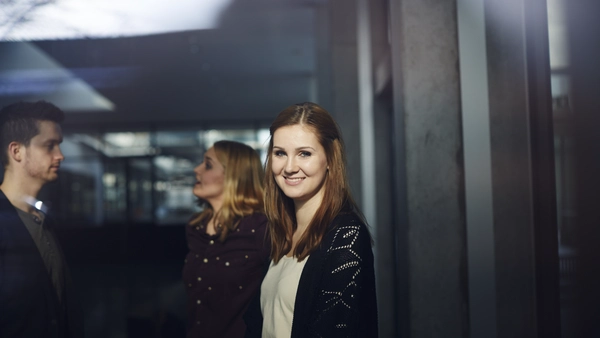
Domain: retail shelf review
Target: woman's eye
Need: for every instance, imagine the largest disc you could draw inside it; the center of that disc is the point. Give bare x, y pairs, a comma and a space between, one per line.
208, 166
279, 153
305, 154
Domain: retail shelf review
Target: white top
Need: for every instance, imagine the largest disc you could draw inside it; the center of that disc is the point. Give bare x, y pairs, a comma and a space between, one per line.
278, 295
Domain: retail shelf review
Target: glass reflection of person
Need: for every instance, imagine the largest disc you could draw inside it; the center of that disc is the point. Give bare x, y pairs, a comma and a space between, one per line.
36, 297
228, 248
321, 280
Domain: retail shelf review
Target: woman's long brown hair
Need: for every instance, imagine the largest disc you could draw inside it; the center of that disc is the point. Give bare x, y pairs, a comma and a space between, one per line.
243, 187
280, 209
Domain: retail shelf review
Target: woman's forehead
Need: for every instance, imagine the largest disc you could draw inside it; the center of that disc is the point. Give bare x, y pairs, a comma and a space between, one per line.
295, 133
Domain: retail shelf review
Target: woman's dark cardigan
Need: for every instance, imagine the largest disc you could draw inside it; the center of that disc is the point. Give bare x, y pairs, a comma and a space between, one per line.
336, 293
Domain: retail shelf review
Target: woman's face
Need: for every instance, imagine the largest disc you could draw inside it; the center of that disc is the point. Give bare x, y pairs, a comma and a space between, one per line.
210, 178
299, 163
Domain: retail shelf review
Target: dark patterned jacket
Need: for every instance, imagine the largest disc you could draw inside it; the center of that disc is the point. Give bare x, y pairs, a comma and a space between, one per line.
336, 293
222, 278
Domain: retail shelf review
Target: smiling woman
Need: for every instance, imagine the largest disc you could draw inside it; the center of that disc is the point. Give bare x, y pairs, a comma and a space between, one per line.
321, 280
299, 164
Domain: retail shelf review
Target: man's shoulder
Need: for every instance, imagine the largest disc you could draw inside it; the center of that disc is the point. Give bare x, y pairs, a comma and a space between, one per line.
7, 210
5, 205
11, 225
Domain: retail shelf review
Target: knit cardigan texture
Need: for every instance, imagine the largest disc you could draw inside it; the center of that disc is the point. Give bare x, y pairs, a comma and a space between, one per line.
336, 293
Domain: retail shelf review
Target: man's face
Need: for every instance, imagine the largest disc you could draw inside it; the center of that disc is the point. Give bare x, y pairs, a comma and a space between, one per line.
43, 156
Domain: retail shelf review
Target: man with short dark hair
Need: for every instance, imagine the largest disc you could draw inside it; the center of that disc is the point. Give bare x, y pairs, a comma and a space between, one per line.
35, 295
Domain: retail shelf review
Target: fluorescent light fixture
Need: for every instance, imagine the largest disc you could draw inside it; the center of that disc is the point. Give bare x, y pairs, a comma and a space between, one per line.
27, 70
27, 20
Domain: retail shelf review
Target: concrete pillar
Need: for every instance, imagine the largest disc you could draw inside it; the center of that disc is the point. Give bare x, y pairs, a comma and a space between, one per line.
428, 141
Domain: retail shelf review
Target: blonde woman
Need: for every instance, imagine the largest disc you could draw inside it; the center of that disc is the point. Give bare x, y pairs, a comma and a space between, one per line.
228, 248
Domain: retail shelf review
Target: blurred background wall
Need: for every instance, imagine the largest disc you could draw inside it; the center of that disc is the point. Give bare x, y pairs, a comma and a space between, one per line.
469, 127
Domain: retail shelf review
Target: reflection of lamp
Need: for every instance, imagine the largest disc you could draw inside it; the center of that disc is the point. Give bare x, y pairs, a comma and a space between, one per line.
37, 204
109, 179
68, 19
128, 139
118, 144
27, 70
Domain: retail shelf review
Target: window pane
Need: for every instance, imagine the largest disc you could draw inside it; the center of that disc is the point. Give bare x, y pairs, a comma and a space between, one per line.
114, 183
137, 177
140, 190
173, 189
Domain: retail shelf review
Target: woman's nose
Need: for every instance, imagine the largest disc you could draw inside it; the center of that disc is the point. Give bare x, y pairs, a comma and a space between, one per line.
290, 165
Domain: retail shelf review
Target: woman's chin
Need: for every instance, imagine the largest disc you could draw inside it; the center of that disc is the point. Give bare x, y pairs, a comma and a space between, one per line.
197, 192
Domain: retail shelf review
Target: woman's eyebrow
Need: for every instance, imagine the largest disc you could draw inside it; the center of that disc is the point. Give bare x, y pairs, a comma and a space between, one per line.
299, 148
305, 147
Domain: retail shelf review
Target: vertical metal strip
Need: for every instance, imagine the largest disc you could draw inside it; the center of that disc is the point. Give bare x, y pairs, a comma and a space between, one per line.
366, 124
478, 171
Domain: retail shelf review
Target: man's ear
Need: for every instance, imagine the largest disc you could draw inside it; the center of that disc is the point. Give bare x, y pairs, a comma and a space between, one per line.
15, 151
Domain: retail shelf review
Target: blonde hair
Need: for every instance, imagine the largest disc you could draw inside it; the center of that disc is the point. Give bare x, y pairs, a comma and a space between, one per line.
243, 187
280, 209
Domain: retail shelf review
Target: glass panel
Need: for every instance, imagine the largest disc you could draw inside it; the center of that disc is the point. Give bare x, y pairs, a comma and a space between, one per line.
75, 198
179, 145
560, 84
186, 139
138, 177
139, 186
241, 135
77, 195
563, 154
82, 192
257, 139
115, 194
127, 144
173, 189
263, 143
